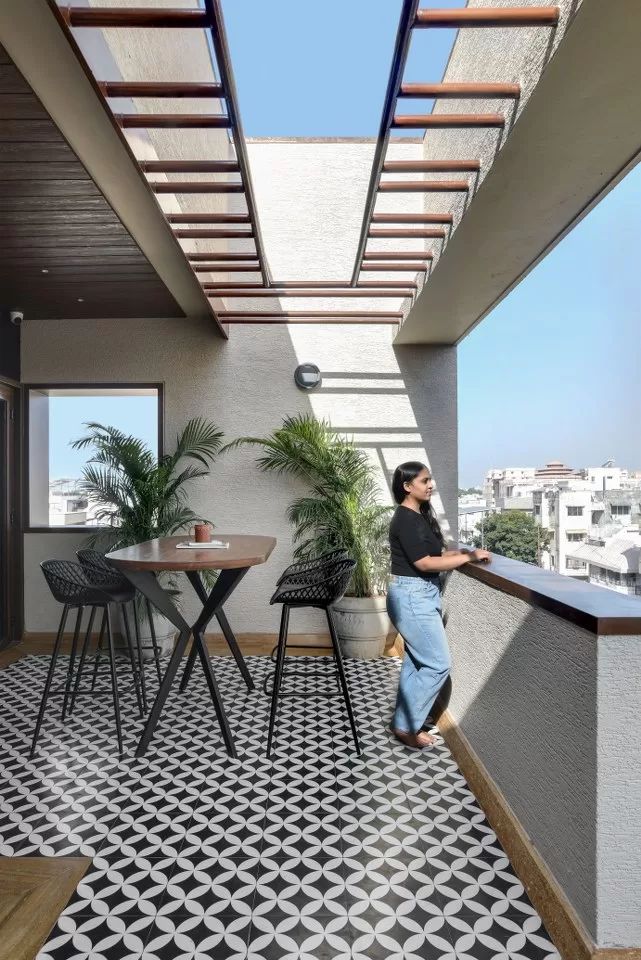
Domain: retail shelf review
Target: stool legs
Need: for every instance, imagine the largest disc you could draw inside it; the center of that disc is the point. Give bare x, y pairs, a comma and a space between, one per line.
154, 642
141, 668
72, 658
114, 676
132, 660
83, 655
280, 662
343, 679
52, 667
101, 637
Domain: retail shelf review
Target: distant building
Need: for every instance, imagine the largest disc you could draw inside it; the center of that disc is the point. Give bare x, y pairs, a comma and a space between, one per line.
613, 562
554, 470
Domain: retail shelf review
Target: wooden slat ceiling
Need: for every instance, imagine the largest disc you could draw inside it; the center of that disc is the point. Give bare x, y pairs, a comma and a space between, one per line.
63, 250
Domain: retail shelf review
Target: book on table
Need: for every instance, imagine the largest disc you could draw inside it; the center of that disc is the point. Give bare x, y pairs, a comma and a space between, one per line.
209, 545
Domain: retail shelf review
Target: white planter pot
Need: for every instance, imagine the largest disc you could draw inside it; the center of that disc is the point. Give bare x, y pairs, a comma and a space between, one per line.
362, 625
165, 631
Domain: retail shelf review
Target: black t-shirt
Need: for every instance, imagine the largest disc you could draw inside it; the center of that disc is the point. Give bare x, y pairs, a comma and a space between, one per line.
410, 538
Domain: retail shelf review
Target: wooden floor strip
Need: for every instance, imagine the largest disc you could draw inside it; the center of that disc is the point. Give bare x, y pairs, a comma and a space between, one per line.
33, 893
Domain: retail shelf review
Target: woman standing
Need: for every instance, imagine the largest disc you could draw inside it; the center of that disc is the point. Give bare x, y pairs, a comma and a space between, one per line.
414, 599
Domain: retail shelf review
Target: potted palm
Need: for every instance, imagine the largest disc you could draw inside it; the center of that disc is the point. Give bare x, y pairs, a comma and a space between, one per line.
139, 497
341, 510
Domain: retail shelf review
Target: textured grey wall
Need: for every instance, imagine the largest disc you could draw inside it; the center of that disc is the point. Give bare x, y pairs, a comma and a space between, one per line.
619, 792
246, 386
524, 691
553, 712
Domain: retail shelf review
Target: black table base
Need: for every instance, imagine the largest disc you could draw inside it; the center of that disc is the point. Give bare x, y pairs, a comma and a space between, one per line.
228, 580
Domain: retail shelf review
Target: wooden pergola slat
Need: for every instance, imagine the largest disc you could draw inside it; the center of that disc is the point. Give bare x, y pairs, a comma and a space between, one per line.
216, 255
423, 186
226, 268
189, 166
433, 234
393, 267
280, 292
310, 316
544, 16
398, 255
412, 218
431, 166
208, 218
329, 318
169, 121
161, 88
195, 186
214, 234
447, 121
144, 17
463, 91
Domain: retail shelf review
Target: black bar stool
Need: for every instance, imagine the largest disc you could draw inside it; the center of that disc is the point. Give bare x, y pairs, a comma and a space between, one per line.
319, 587
77, 587
98, 562
299, 572
303, 567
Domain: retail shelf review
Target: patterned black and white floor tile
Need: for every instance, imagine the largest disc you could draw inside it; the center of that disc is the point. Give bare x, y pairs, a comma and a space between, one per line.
316, 854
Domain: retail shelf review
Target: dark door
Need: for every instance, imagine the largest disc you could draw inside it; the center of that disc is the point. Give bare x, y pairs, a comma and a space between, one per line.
10, 553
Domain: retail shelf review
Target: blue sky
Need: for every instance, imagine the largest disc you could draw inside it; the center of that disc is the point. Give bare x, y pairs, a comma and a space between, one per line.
67, 416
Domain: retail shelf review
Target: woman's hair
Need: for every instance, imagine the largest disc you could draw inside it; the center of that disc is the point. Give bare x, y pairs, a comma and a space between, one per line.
405, 473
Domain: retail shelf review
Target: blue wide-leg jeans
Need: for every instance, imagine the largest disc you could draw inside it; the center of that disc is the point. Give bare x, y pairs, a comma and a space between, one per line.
414, 607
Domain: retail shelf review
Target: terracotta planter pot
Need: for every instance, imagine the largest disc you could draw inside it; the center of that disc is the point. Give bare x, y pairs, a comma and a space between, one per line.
362, 625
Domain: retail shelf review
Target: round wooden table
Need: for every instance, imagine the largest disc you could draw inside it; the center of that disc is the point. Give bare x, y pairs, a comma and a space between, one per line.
142, 562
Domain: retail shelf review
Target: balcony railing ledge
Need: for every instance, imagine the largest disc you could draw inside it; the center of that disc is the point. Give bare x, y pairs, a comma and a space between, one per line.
598, 610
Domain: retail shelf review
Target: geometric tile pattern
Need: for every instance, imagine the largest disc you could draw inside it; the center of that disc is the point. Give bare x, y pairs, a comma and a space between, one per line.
315, 854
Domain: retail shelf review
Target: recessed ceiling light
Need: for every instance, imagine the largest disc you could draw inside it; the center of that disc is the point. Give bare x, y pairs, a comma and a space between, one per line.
81, 300
45, 271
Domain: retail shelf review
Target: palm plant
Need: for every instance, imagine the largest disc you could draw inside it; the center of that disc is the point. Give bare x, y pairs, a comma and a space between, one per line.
342, 509
140, 497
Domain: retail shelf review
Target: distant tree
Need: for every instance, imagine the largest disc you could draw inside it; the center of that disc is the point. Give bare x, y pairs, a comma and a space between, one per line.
513, 534
463, 492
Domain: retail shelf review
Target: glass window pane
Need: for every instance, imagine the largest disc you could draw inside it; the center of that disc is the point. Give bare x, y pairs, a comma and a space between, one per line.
59, 416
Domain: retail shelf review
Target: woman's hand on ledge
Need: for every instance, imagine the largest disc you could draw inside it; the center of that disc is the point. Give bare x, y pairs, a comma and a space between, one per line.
479, 556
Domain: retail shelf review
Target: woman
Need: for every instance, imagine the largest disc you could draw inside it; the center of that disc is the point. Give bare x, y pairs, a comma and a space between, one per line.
414, 599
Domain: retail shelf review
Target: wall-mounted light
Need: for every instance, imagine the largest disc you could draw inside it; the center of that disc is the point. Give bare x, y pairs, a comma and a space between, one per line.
307, 376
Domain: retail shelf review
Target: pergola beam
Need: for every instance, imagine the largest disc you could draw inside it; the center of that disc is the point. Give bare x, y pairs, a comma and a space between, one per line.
280, 292
208, 218
226, 268
145, 17
393, 267
171, 121
341, 315
214, 234
189, 166
398, 255
126, 88
423, 186
448, 121
429, 233
412, 218
463, 91
212, 255
431, 166
195, 186
322, 318
547, 16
